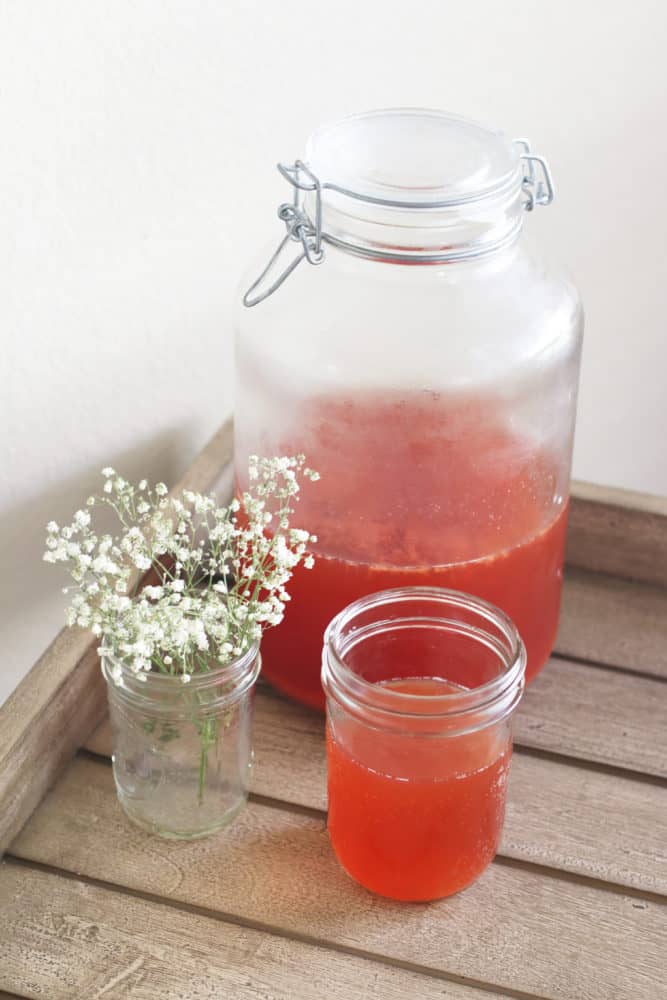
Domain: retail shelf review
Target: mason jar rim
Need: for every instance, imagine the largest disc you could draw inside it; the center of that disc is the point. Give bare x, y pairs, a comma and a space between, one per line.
495, 698
244, 669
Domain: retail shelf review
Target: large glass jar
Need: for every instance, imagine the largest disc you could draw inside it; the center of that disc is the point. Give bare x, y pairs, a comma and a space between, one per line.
428, 369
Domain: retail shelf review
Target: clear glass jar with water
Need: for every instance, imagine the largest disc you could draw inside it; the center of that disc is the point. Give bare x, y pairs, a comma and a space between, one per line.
182, 753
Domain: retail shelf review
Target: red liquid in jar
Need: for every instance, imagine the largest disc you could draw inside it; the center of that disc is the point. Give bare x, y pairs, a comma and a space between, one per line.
429, 830
419, 491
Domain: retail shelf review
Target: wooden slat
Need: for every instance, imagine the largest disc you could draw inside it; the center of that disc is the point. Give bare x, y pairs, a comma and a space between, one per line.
44, 722
618, 532
564, 817
570, 818
596, 715
586, 713
276, 867
616, 622
64, 938
61, 700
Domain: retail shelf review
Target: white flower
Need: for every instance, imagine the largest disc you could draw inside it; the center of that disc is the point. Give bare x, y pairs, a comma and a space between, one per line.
308, 562
208, 608
108, 472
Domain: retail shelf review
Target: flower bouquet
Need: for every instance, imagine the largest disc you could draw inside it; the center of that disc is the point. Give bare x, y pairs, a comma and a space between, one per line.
179, 599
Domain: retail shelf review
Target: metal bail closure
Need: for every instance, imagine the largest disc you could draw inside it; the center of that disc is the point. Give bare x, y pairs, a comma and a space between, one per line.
300, 229
538, 188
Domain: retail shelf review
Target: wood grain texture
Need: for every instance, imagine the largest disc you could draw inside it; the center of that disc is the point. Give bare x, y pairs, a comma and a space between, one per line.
596, 715
574, 710
569, 818
61, 700
69, 940
44, 722
618, 532
616, 622
517, 929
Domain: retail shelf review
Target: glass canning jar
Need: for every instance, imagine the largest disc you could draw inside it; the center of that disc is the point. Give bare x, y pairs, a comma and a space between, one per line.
182, 753
421, 685
427, 367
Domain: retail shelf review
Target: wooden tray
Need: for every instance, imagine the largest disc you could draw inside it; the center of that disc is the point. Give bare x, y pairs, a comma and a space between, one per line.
573, 908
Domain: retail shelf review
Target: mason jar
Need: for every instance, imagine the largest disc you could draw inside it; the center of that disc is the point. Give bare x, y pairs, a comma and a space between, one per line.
182, 753
408, 339
421, 685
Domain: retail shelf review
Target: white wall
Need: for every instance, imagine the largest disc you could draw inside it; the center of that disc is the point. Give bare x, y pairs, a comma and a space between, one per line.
137, 143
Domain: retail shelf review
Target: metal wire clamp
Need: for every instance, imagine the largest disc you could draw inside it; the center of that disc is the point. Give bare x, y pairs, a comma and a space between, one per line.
537, 186
539, 190
300, 229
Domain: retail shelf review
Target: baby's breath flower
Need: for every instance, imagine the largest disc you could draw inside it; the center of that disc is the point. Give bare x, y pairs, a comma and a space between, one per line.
211, 567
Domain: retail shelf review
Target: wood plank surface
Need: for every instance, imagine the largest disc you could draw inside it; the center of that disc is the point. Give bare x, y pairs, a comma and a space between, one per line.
618, 532
517, 929
61, 700
615, 622
589, 714
69, 940
570, 818
596, 715
44, 722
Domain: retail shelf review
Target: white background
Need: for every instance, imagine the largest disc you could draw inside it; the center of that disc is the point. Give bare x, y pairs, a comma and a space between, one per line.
137, 144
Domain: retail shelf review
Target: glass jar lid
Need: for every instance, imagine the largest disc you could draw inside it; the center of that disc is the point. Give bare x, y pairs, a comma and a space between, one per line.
405, 185
411, 157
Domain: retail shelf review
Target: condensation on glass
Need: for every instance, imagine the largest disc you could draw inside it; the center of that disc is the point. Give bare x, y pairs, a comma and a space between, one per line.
410, 341
421, 685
